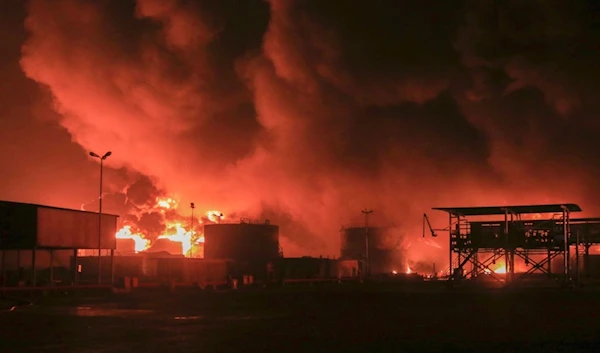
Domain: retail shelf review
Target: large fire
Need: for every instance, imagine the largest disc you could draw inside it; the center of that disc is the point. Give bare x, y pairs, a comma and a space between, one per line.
141, 244
498, 268
175, 231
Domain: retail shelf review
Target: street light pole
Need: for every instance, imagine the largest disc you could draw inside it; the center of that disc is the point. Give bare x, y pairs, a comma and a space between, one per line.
192, 205
367, 212
106, 155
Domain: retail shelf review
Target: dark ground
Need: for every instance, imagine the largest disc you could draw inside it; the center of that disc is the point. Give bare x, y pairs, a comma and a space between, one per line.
327, 319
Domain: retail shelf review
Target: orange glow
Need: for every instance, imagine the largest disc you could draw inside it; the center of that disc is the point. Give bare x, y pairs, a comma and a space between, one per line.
141, 244
498, 268
177, 233
166, 203
175, 230
261, 137
394, 272
215, 216
408, 270
501, 269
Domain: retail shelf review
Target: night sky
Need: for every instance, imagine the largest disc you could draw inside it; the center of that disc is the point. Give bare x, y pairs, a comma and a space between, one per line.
305, 112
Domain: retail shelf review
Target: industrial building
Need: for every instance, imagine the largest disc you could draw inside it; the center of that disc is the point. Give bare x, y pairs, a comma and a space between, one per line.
40, 245
247, 251
378, 248
37, 242
315, 268
544, 237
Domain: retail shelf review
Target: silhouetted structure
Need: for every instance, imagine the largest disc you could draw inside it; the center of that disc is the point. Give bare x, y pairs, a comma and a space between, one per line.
299, 269
241, 241
33, 231
125, 247
253, 246
166, 245
551, 233
160, 268
385, 254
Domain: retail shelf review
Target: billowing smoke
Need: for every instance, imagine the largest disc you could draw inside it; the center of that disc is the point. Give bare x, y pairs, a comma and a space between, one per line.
308, 111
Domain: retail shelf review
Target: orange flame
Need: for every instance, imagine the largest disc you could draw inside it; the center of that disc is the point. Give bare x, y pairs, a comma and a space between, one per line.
175, 230
166, 203
499, 268
177, 233
215, 216
141, 244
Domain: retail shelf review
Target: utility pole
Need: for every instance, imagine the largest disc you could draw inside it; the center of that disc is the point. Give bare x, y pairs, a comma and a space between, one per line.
101, 158
367, 212
192, 205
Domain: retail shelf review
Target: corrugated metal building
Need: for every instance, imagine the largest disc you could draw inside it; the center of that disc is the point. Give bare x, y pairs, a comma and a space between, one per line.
36, 241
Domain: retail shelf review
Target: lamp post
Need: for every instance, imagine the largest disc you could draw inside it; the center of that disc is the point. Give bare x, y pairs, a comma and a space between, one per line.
106, 155
192, 205
367, 212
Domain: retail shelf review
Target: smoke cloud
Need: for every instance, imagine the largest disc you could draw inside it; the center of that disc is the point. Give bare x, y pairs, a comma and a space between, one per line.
307, 112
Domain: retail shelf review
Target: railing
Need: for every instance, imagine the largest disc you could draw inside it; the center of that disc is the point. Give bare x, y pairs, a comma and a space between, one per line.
244, 220
446, 272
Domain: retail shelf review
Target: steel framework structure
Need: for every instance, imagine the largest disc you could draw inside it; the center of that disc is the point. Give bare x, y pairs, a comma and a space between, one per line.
474, 245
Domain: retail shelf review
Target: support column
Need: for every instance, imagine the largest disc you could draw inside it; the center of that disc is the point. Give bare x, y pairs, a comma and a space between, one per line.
99, 266
577, 276
549, 262
112, 267
511, 271
450, 274
75, 267
512, 264
506, 248
474, 262
586, 260
34, 276
51, 267
18, 266
3, 268
565, 216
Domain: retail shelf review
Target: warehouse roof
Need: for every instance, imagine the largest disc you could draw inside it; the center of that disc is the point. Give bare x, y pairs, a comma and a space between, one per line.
12, 203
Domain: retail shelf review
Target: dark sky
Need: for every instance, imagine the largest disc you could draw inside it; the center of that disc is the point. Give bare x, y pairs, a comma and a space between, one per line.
304, 110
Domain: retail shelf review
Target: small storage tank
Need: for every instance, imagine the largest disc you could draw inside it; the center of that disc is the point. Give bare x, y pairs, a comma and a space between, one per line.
385, 254
125, 247
166, 245
245, 242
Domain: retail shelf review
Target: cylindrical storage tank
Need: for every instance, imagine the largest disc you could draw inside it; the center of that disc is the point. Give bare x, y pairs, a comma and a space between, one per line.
125, 246
244, 242
385, 254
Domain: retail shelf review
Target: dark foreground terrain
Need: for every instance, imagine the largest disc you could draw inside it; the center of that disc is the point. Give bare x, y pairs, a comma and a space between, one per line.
328, 319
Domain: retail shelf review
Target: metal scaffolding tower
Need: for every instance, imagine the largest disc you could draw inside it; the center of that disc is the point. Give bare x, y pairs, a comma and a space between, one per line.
536, 234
